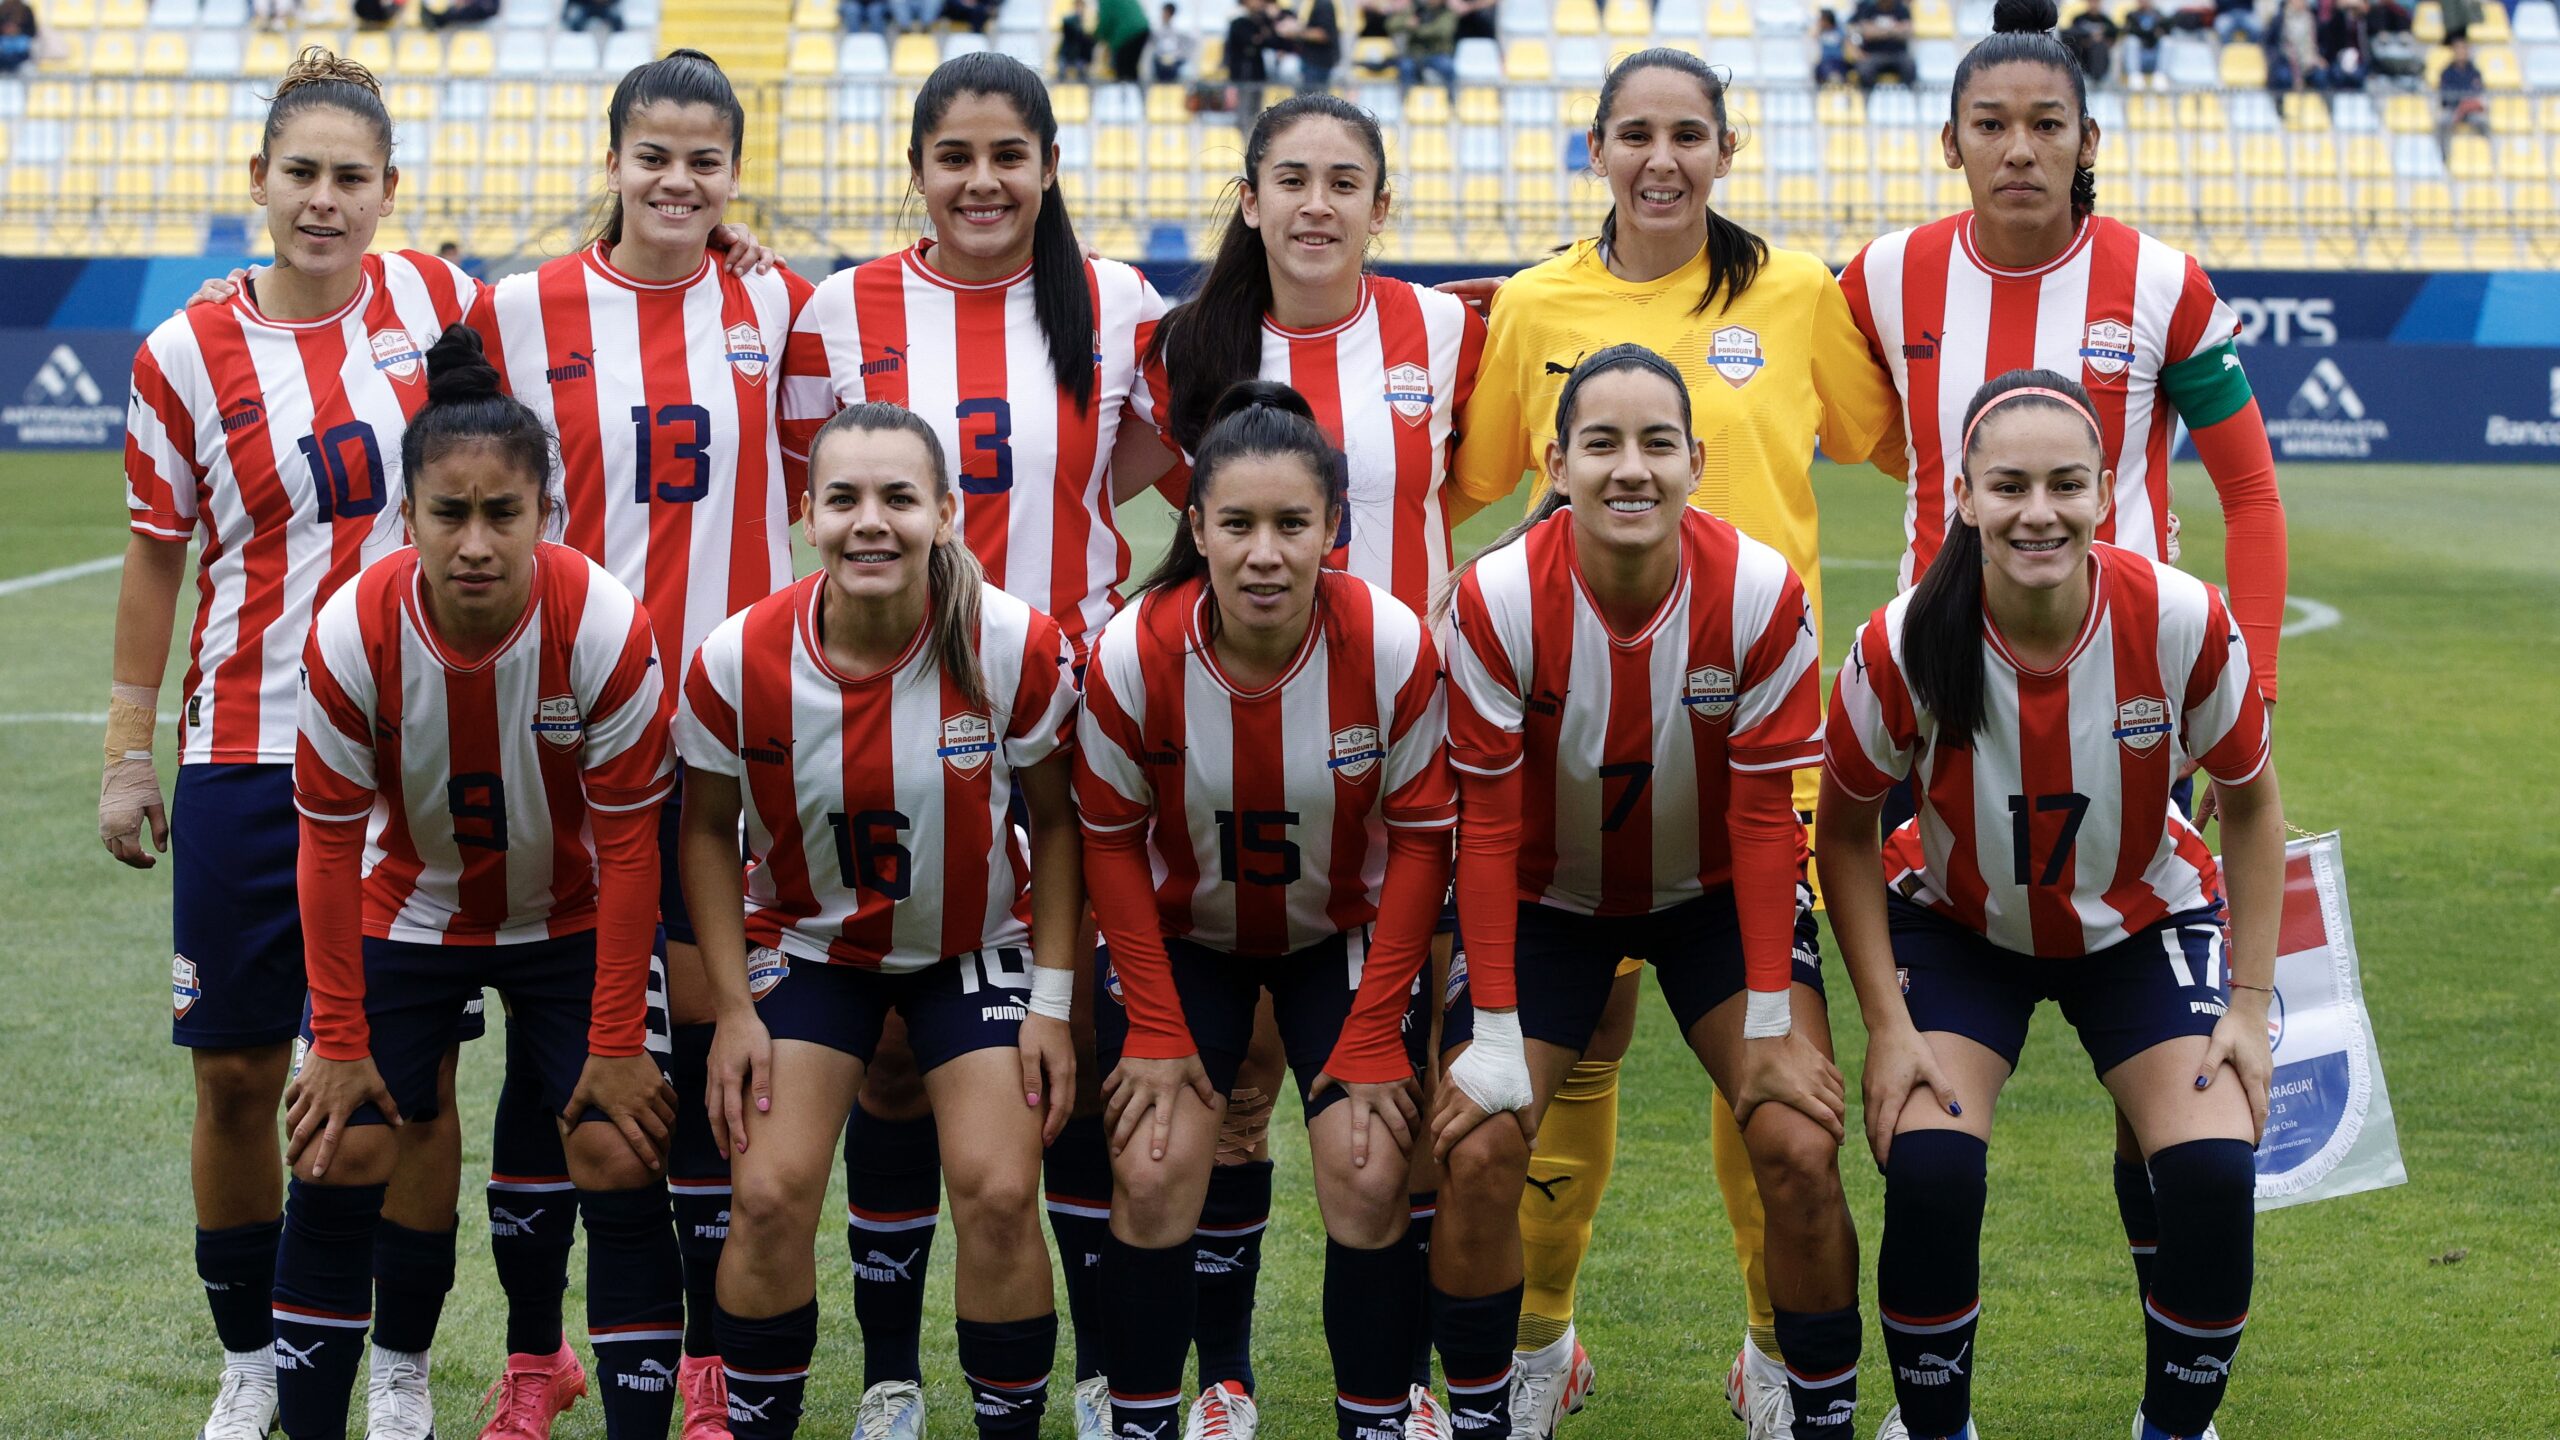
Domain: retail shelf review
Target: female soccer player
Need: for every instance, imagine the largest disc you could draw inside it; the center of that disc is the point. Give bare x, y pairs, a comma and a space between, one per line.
483, 736
2044, 690
1265, 733
2031, 275
270, 425
874, 720
1632, 682
1387, 368
1772, 360
1023, 356
676, 481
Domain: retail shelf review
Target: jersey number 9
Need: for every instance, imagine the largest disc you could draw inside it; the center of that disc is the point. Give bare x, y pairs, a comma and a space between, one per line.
693, 450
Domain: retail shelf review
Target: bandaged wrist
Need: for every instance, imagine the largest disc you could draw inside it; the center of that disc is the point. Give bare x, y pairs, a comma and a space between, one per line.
1053, 993
1767, 1016
1494, 1070
133, 712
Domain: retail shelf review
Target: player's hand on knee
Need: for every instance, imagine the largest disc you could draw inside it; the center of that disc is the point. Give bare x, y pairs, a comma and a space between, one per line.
1901, 1064
1791, 1071
1048, 1053
1140, 1089
2240, 1045
1391, 1102
1489, 1076
634, 1096
320, 1101
128, 798
739, 1073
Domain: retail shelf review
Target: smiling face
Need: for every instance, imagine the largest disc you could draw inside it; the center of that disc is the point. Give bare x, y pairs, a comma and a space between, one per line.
2019, 137
1662, 152
983, 174
475, 514
1264, 525
2036, 491
1626, 464
325, 181
675, 172
1316, 201
878, 509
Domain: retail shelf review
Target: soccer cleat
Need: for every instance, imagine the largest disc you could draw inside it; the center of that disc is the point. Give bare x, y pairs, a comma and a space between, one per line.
1093, 1408
1755, 1389
1223, 1412
396, 1404
1894, 1429
891, 1410
705, 1388
245, 1407
2145, 1430
1425, 1419
1581, 1377
532, 1393
1548, 1383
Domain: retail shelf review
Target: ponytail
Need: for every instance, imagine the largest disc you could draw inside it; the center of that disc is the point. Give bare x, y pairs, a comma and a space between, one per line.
953, 576
467, 404
1734, 254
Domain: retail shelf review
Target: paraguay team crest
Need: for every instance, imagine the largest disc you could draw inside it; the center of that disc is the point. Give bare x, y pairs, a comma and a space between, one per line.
2141, 723
744, 350
1355, 752
967, 741
558, 722
1409, 393
396, 355
1734, 353
766, 968
1709, 694
184, 991
2107, 348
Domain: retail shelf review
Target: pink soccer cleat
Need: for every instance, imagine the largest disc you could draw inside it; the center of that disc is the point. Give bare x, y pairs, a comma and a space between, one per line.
532, 1393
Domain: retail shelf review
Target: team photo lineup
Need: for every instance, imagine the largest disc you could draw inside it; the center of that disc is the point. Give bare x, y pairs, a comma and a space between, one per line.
727, 703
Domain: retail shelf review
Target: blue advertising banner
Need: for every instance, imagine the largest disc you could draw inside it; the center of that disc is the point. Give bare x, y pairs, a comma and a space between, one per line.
2433, 404
64, 389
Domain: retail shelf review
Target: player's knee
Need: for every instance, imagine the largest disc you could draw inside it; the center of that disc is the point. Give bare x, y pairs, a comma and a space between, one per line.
766, 1206
600, 1159
1487, 1166
994, 1204
1794, 1160
366, 1155
240, 1088
1150, 1208
2213, 1180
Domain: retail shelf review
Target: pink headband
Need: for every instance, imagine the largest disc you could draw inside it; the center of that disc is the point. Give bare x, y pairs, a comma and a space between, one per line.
2005, 396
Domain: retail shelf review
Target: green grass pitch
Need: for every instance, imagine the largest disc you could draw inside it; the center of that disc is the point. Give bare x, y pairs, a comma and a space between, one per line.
2427, 1310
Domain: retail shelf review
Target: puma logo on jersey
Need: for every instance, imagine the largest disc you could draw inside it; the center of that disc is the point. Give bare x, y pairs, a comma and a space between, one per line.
743, 1409
505, 1222
653, 1377
772, 752
1209, 1262
1838, 1412
242, 415
892, 359
290, 1356
1555, 369
1926, 349
2207, 1370
578, 366
1546, 702
881, 1268
1934, 1369
1548, 1186
1132, 1430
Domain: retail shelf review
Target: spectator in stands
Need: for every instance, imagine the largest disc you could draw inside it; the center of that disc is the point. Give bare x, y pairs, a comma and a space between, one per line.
1427, 42
450, 252
1475, 19
2459, 17
454, 12
2346, 46
2146, 25
1170, 52
2293, 48
591, 14
1319, 45
2242, 18
1830, 49
1075, 46
1883, 28
971, 15
2461, 96
17, 35
275, 14
1120, 29
2091, 39
1252, 32
376, 12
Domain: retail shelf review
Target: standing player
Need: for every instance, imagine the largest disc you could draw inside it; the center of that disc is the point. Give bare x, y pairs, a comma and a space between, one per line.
483, 737
676, 482
269, 425
1772, 360
1387, 368
1023, 356
896, 688
1263, 733
1631, 683
2031, 275
2044, 690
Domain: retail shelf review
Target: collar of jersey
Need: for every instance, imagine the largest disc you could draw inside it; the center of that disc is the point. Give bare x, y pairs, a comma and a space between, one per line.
246, 303
1207, 649
597, 252
2079, 643
917, 262
1662, 612
416, 603
1692, 269
1367, 287
817, 643
2079, 238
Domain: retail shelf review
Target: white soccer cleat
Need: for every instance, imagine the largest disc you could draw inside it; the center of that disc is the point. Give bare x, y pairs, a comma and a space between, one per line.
1222, 1412
1581, 1377
1548, 1383
1425, 1419
1093, 1408
245, 1407
2138, 1428
1755, 1389
890, 1410
396, 1404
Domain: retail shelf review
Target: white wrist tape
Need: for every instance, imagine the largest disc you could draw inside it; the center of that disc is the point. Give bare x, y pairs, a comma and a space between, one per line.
1053, 993
1494, 1070
1767, 1016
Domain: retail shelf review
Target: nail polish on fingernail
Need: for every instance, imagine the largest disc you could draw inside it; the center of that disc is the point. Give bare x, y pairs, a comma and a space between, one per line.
763, 1104
1955, 1107
2199, 1082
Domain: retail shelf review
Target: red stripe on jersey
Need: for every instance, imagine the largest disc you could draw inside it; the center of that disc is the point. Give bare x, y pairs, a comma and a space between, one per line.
2143, 776
264, 552
1403, 340
324, 359
750, 577
968, 836
662, 431
395, 876
477, 783
1261, 808
1351, 701
765, 720
1163, 672
1071, 521
871, 820
1924, 307
1314, 374
2114, 260
2012, 342
1542, 723
2044, 864
563, 783
567, 332
1626, 776
985, 458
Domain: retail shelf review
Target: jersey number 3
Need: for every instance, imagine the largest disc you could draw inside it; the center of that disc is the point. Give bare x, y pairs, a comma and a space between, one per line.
986, 456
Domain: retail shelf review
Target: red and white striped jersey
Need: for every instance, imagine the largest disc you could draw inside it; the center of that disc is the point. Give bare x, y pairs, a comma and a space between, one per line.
1624, 799
278, 443
478, 777
1033, 472
877, 807
1388, 384
2052, 832
2113, 310
662, 396
1269, 808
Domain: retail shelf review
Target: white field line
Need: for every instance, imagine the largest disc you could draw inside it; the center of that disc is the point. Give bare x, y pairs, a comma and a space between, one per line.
52, 577
56, 717
2315, 616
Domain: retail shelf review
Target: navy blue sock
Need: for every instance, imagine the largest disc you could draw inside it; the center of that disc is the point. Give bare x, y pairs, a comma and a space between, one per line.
1147, 1299
1822, 1370
893, 1201
412, 1270
238, 1268
323, 1300
2141, 1219
1226, 1252
2199, 1298
1076, 1173
1421, 1208
1475, 1334
1929, 1276
635, 1307
1006, 1363
766, 1361
1370, 1313
697, 1184
533, 1212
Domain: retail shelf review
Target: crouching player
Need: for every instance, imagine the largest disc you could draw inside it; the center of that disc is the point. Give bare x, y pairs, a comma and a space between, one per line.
483, 735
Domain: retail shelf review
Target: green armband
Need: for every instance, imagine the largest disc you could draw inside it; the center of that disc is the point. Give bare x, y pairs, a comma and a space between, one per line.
2208, 387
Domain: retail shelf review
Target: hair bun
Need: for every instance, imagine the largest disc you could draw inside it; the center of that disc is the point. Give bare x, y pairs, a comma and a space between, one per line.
2024, 17
458, 370
1245, 394
317, 64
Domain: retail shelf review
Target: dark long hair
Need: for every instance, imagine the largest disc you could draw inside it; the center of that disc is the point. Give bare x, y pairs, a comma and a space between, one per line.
1253, 418
1942, 628
1214, 339
467, 404
318, 77
2022, 32
1734, 254
681, 77
1625, 356
1059, 296
952, 575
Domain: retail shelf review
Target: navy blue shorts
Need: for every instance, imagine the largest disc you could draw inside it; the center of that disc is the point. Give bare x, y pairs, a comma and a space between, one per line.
2166, 982
235, 979
1311, 994
959, 1004
677, 920
414, 999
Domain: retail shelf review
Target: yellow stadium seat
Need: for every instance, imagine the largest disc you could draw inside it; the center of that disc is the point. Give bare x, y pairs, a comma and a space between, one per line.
1169, 192
154, 100
471, 56
327, 12
2324, 200
564, 146
1840, 105
209, 100
1729, 19
2498, 68
570, 102
1481, 197
514, 100
2407, 114
2523, 157
1631, 19
1528, 62
1071, 103
1427, 151
2314, 155
2202, 110
70, 15
1480, 105
1906, 200
114, 53
2306, 116
2244, 67
2443, 250
1579, 107
1845, 152
813, 57
813, 15
418, 52
1575, 17
458, 143
2157, 154
1932, 20
2430, 200
2263, 155
913, 58
2468, 158
371, 49
2428, 24
2282, 251
1116, 148
2368, 157
1431, 195
1169, 149
1168, 105
1426, 105
2151, 112
1897, 152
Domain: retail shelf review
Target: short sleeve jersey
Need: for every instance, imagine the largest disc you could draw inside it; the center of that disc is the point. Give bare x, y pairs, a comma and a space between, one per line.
2052, 832
277, 443
876, 806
